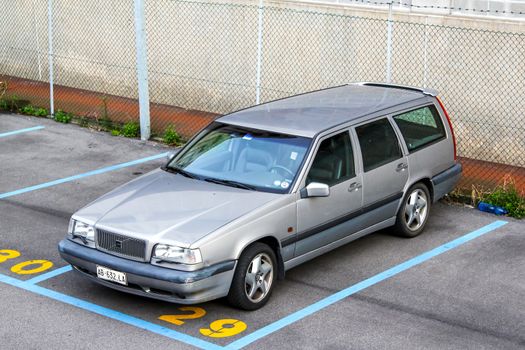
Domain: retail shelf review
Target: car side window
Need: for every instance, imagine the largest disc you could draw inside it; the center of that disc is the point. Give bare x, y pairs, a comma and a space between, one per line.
420, 127
378, 143
334, 161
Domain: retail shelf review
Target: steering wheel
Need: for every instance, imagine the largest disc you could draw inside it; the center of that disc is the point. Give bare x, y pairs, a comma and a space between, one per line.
280, 167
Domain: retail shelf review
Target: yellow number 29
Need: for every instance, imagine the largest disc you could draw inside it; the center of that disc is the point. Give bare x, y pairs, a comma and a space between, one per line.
224, 328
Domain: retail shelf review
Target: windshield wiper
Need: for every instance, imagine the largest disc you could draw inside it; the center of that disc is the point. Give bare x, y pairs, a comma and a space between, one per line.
176, 170
231, 183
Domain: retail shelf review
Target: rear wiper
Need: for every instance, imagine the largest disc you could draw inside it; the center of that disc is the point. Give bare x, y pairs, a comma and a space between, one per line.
230, 183
176, 170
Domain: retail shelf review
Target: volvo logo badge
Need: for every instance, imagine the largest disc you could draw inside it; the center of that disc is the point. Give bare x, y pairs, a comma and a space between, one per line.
118, 244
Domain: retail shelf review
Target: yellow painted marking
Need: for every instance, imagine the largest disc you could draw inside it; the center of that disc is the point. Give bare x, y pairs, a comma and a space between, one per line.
20, 268
224, 328
6, 254
176, 319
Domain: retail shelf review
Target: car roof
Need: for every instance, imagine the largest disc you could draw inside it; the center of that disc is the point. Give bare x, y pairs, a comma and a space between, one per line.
311, 113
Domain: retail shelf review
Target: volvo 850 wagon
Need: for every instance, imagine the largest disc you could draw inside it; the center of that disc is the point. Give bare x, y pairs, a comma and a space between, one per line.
267, 188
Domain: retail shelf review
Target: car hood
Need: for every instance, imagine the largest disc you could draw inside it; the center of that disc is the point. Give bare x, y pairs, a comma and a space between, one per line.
171, 207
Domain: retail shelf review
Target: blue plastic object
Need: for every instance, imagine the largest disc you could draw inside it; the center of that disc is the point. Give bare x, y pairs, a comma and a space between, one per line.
489, 208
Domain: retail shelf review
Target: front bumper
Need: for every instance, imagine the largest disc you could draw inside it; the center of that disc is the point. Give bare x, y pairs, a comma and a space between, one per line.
184, 287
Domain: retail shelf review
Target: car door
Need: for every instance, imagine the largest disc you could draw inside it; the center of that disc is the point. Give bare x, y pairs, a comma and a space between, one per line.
385, 169
319, 219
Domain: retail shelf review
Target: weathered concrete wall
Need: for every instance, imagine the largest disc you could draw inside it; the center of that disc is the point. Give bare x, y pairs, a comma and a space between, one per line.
203, 56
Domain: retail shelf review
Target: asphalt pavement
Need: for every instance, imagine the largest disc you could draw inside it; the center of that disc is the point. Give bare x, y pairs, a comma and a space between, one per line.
470, 296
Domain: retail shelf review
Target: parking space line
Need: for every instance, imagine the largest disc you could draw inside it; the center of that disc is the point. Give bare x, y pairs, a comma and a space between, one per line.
113, 314
20, 131
48, 275
323, 303
80, 176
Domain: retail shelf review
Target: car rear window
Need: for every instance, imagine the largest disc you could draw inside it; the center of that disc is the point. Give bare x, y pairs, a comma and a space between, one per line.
420, 127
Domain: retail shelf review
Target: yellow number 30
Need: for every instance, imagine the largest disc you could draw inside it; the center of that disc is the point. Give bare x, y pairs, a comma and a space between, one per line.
224, 328
21, 268
6, 254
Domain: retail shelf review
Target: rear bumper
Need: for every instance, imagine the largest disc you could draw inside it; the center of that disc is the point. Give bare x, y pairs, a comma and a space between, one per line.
184, 287
445, 181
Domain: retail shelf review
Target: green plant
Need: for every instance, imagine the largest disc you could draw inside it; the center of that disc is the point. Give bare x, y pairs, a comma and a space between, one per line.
36, 111
40, 112
29, 110
3, 90
105, 124
171, 136
508, 197
14, 103
131, 129
63, 117
115, 132
83, 122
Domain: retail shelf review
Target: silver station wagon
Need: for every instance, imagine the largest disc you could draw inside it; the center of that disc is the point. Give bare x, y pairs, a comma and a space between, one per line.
267, 188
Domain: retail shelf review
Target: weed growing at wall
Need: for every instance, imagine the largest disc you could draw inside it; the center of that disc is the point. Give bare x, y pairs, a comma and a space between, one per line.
63, 117
83, 122
508, 197
171, 136
34, 111
131, 129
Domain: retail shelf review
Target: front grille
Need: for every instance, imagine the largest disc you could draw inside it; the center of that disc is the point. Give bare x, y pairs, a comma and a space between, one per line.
121, 245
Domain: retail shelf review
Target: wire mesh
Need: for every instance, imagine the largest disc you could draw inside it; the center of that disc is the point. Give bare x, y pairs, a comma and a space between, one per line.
207, 58
201, 60
94, 60
23, 60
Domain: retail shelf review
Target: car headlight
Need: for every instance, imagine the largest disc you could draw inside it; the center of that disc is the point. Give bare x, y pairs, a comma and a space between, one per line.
83, 231
177, 255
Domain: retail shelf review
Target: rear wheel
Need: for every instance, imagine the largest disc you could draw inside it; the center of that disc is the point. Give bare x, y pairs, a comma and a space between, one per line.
414, 211
254, 277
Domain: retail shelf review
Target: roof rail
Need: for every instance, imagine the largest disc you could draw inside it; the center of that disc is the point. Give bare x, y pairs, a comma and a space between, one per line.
426, 91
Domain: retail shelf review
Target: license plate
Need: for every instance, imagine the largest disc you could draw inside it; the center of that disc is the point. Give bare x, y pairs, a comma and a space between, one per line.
111, 275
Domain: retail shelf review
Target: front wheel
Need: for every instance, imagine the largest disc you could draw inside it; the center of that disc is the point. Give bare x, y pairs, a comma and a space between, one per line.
414, 211
254, 277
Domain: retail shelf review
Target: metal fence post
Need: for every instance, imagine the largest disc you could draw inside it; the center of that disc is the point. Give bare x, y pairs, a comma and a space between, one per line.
37, 42
259, 53
425, 55
50, 55
142, 69
389, 45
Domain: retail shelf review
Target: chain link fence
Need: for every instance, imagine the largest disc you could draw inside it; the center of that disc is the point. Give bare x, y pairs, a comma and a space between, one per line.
206, 59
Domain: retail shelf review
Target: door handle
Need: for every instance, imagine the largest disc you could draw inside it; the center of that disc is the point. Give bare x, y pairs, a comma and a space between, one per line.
401, 167
354, 186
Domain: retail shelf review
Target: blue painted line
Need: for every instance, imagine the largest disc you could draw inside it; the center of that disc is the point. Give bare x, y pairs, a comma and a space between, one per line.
14, 132
80, 176
323, 303
106, 312
48, 275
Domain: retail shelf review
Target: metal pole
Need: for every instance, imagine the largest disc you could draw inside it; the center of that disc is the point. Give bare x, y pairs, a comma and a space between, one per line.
50, 55
425, 55
389, 45
37, 42
142, 70
259, 54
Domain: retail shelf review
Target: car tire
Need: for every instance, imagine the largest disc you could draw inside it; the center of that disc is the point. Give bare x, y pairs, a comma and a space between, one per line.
414, 211
254, 277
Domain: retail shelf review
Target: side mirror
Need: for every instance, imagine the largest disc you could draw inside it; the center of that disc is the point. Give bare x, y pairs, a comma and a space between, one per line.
172, 154
315, 189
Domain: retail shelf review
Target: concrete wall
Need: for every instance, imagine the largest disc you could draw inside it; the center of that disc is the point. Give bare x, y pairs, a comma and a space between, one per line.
203, 56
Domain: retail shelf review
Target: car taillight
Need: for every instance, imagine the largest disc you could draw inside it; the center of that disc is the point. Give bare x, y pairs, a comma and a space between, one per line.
450, 125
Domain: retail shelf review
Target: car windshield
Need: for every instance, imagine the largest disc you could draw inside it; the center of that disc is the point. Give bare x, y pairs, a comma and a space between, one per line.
244, 158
